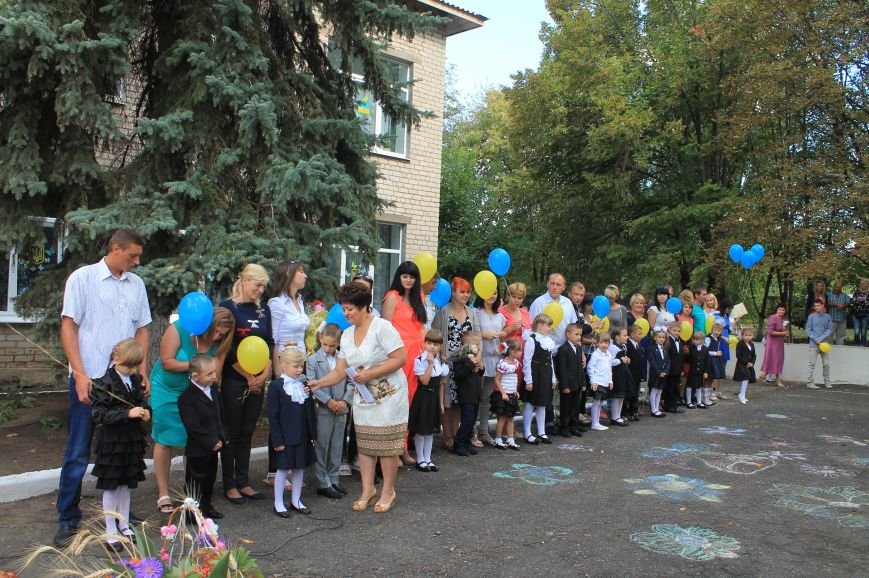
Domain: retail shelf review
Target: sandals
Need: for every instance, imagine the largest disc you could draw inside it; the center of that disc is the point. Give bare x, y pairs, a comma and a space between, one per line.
383, 507
164, 505
361, 505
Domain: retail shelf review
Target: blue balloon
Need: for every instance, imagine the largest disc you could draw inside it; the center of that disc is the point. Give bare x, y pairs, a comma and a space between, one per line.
758, 251
336, 316
499, 261
600, 306
196, 312
441, 293
748, 259
736, 252
674, 305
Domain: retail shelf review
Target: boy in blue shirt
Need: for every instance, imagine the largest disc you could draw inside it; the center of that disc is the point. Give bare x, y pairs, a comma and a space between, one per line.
819, 326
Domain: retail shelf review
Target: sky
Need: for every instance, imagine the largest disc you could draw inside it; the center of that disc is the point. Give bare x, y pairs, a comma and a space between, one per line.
486, 57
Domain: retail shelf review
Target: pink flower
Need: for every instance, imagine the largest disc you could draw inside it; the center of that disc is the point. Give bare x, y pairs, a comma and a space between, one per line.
168, 532
164, 555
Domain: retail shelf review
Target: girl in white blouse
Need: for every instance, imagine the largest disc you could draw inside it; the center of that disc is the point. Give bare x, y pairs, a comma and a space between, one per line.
289, 320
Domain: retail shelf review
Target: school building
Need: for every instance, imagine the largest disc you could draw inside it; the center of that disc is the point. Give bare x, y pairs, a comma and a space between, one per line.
409, 162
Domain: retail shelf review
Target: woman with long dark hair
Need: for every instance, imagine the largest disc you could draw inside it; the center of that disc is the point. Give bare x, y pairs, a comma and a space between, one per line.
403, 306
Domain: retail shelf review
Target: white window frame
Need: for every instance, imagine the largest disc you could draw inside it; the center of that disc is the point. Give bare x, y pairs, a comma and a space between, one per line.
345, 277
380, 115
8, 314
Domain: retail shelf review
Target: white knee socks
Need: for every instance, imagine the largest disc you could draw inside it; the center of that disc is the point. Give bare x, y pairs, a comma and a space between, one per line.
298, 477
540, 416
116, 508
655, 400
743, 387
595, 412
423, 448
616, 410
527, 412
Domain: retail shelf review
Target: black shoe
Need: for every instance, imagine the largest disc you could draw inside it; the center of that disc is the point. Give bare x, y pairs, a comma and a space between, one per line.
285, 514
565, 433
691, 406
433, 468
115, 546
701, 406
580, 429
211, 513
623, 422
256, 496
422, 467
302, 509
531, 440
545, 439
340, 488
472, 450
461, 451
134, 519
236, 501
659, 414
64, 536
330, 493
576, 432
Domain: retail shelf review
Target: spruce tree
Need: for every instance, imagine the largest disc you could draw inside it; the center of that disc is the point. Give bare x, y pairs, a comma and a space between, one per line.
245, 146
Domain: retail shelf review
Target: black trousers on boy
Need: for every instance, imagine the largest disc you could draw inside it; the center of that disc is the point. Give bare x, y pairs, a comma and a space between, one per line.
466, 425
671, 393
199, 477
568, 412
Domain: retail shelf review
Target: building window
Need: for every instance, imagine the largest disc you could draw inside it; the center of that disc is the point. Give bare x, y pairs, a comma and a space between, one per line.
390, 137
346, 263
20, 265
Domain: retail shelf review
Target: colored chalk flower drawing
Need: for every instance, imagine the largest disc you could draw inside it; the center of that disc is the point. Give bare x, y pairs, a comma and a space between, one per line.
776, 416
681, 455
690, 543
855, 461
840, 503
539, 475
677, 488
841, 440
574, 448
827, 471
721, 430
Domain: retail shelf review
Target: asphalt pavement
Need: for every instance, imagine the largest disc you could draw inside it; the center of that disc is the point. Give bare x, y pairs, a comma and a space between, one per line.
776, 487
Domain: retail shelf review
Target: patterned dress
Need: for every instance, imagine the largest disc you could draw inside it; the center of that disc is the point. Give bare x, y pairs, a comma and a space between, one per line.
381, 426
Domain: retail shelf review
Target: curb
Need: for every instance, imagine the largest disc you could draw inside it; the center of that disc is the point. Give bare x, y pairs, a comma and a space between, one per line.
17, 487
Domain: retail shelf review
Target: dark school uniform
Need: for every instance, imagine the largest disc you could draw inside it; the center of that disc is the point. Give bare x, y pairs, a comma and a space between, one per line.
202, 417
745, 354
571, 376
635, 368
698, 357
716, 362
292, 425
671, 392
469, 389
659, 362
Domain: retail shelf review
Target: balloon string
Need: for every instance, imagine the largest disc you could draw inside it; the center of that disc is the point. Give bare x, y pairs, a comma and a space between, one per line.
64, 365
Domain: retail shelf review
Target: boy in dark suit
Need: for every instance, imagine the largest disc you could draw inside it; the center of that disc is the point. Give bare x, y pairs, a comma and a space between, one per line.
200, 410
674, 352
468, 372
635, 353
570, 373
698, 356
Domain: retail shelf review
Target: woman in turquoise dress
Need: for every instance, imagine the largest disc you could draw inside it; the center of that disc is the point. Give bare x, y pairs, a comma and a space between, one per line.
168, 379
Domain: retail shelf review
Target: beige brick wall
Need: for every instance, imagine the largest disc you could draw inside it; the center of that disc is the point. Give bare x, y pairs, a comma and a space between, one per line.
21, 362
414, 184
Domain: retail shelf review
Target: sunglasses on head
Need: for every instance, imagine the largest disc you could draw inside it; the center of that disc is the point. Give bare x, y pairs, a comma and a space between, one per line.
363, 276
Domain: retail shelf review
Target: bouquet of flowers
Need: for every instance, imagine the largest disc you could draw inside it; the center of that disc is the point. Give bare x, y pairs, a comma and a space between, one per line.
189, 547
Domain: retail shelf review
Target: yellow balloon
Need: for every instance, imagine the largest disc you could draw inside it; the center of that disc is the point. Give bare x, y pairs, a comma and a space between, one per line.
643, 324
710, 321
687, 331
485, 284
606, 324
253, 354
555, 311
733, 340
428, 266
825, 347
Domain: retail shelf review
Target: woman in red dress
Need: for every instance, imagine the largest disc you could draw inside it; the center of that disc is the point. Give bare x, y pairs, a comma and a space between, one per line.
403, 306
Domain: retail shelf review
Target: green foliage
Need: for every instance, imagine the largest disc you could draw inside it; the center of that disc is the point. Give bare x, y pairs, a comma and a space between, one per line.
49, 422
244, 144
12, 401
655, 134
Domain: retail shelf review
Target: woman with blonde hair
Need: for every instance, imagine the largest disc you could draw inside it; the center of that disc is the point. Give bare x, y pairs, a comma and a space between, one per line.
169, 378
240, 391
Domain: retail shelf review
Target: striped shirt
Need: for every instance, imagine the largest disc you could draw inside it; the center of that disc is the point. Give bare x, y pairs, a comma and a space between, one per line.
106, 309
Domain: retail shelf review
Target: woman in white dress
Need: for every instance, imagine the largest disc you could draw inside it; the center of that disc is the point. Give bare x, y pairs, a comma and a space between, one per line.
372, 350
